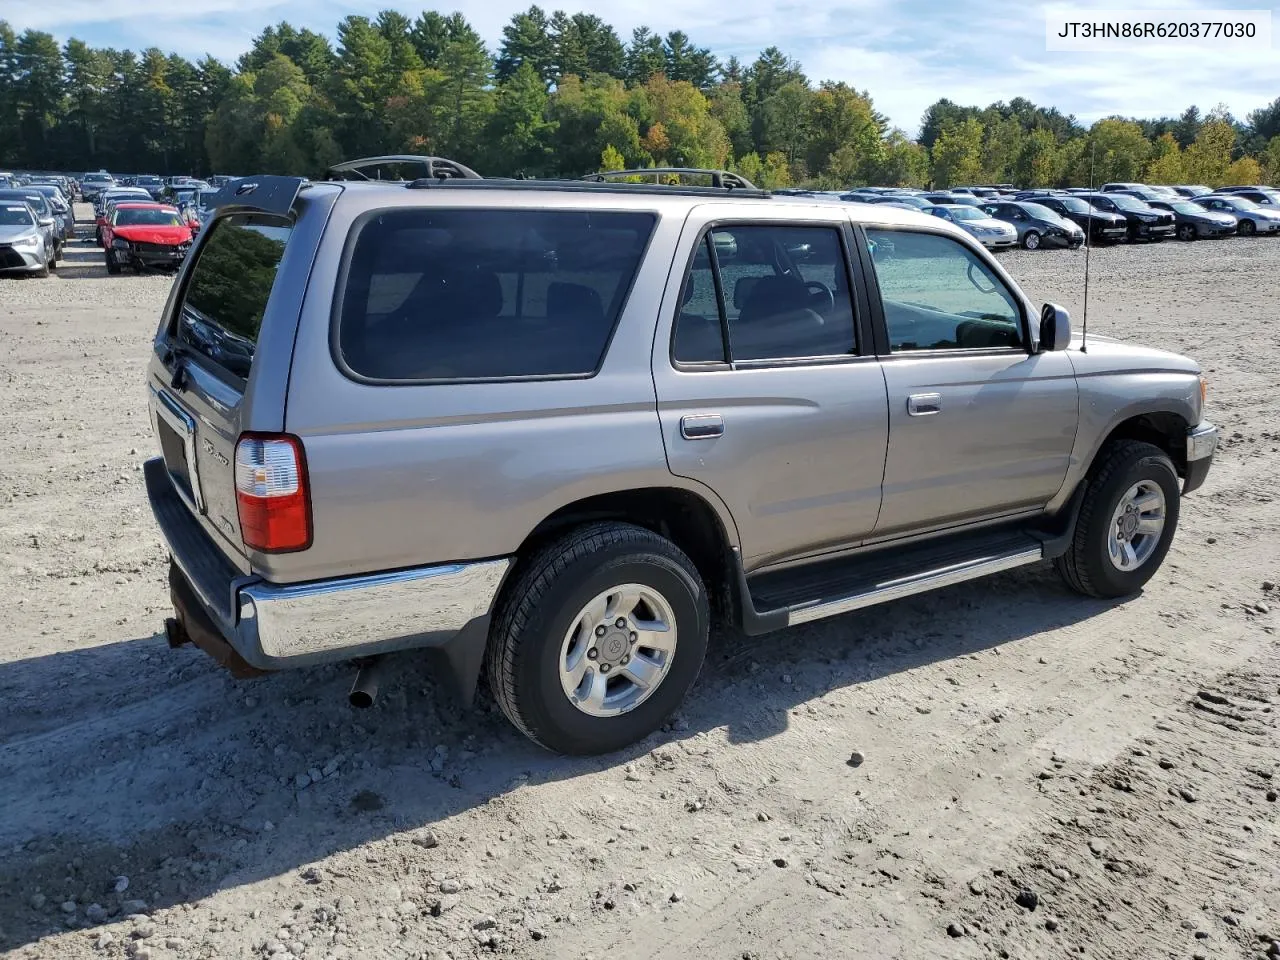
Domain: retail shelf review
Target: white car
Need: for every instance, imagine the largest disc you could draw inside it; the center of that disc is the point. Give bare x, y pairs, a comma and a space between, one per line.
1252, 217
991, 233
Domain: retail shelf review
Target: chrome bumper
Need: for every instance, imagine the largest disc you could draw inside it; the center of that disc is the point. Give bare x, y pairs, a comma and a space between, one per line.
1202, 443
338, 619
273, 626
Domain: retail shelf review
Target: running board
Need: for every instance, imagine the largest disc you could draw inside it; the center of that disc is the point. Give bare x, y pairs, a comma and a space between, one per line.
906, 586
828, 589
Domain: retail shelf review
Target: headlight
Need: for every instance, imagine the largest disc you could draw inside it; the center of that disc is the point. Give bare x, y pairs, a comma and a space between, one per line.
120, 244
31, 240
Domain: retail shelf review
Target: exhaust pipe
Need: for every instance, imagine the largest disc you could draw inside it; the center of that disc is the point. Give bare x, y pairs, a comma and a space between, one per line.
365, 689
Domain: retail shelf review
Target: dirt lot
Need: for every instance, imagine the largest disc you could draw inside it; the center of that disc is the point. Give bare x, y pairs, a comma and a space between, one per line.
1044, 776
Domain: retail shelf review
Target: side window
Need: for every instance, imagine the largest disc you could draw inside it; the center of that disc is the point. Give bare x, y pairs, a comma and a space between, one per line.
483, 294
783, 293
938, 295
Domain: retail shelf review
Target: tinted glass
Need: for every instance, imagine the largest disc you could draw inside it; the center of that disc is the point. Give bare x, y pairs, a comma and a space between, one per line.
486, 294
228, 290
1072, 204
939, 295
786, 295
1129, 204
968, 213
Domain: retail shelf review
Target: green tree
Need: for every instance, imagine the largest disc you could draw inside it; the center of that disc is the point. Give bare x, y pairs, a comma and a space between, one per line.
957, 154
776, 172
905, 163
841, 120
1270, 159
527, 39
39, 93
520, 137
684, 61
727, 107
1208, 159
645, 56
612, 159
1188, 126
1115, 149
1039, 162
1002, 140
691, 135
87, 71
785, 120
1244, 170
1165, 165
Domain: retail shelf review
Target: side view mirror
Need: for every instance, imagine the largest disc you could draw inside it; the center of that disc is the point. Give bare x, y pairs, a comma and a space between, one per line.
46, 221
1055, 328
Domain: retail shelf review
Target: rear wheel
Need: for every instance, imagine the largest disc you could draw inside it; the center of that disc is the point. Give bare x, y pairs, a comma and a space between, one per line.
598, 639
1186, 231
1126, 523
1247, 228
1031, 240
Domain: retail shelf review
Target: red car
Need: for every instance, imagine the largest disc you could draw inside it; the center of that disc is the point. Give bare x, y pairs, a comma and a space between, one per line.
142, 235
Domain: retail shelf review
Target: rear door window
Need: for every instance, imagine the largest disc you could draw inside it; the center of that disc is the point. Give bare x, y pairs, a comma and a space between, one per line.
486, 294
228, 290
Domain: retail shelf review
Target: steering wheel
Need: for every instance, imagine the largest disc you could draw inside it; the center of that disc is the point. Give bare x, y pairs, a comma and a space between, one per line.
828, 302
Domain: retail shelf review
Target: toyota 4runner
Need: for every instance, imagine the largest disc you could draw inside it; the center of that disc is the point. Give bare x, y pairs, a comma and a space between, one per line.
550, 430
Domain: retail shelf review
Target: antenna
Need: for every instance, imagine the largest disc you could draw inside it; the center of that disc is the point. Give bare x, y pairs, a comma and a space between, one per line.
1088, 247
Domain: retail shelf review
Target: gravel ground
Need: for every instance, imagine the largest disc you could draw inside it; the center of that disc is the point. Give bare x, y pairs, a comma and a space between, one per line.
1041, 775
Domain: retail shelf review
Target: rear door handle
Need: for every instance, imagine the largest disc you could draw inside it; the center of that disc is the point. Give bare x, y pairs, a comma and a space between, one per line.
702, 427
924, 404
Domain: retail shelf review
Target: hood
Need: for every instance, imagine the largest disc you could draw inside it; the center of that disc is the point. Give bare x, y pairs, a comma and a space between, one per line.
1109, 354
142, 233
8, 234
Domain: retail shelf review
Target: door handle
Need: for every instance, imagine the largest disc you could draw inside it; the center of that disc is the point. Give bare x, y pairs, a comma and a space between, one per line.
702, 427
924, 404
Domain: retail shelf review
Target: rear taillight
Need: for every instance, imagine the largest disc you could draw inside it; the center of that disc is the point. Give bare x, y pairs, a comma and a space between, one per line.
271, 493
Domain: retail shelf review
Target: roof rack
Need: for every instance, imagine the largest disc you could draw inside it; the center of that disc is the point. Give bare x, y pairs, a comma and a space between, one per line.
585, 186
418, 168
720, 179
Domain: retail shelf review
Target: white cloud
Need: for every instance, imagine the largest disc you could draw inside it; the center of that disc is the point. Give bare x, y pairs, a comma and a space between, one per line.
906, 53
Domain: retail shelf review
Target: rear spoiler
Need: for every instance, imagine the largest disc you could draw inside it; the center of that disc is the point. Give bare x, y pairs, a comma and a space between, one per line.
265, 194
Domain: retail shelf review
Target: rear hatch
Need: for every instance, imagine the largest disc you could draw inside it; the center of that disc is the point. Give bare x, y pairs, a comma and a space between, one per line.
221, 360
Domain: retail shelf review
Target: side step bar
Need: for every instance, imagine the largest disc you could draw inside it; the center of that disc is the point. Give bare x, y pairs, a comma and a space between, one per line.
921, 582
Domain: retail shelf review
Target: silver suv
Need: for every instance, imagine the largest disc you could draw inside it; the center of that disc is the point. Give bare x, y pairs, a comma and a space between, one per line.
550, 431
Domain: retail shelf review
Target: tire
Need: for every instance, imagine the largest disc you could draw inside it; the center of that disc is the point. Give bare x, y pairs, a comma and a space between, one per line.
1087, 566
533, 636
113, 268
43, 271
1031, 240
1186, 232
1247, 228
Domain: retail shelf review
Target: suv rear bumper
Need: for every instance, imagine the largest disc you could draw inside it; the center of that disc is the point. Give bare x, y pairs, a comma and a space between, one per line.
271, 626
1202, 443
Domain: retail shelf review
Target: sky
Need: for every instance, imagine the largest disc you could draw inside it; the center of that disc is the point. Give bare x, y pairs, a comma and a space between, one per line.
905, 53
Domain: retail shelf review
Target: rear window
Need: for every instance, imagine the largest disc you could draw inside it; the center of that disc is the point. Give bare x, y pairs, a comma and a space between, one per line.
486, 294
228, 289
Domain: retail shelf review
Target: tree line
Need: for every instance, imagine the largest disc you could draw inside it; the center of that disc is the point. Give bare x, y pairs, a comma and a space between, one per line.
563, 95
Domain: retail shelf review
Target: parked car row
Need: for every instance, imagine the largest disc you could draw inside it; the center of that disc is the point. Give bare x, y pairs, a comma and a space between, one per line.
998, 216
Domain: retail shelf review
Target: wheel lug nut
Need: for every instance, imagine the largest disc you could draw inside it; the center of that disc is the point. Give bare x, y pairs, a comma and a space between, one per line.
634, 637
625, 660
604, 668
600, 631
593, 654
621, 622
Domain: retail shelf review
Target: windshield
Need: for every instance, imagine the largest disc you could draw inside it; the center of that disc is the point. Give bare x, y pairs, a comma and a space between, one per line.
16, 215
1186, 206
97, 177
1241, 203
148, 181
967, 213
147, 218
1073, 204
1126, 202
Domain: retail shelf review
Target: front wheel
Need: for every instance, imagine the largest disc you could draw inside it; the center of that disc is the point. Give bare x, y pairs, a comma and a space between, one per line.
1126, 523
1186, 231
1247, 228
598, 639
1031, 240
113, 267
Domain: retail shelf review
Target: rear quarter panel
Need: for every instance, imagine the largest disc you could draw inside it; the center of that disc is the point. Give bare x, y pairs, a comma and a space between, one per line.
406, 475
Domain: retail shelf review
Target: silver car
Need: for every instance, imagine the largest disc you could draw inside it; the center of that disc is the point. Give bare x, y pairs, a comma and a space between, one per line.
23, 244
1252, 218
991, 233
559, 430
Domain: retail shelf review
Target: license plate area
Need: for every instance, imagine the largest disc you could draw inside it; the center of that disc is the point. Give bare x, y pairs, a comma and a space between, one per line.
176, 431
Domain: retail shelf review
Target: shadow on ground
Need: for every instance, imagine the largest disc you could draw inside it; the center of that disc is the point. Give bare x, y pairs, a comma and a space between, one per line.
131, 759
